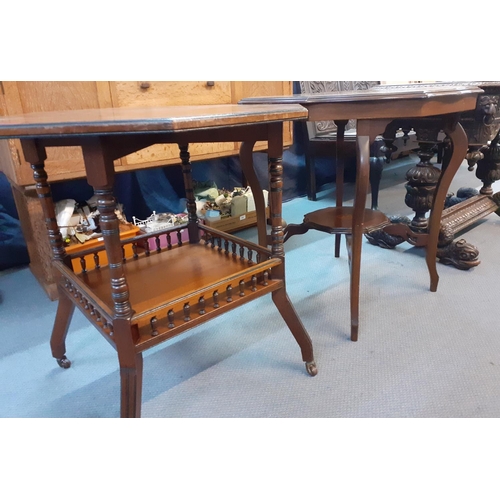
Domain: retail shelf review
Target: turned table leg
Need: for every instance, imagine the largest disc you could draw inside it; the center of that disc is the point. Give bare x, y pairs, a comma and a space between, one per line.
36, 155
280, 297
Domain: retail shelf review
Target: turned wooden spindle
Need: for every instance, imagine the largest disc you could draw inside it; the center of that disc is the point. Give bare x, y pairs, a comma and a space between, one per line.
275, 162
254, 283
154, 326
215, 296
265, 278
201, 304
187, 311
194, 235
36, 156
106, 204
171, 316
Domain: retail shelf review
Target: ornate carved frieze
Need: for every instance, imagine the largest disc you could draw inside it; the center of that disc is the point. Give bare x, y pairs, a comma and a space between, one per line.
322, 128
462, 215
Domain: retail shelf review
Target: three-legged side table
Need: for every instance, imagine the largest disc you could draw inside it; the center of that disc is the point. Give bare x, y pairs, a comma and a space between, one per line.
376, 110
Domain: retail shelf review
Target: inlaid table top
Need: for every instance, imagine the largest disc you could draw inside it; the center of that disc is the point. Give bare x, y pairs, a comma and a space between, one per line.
141, 120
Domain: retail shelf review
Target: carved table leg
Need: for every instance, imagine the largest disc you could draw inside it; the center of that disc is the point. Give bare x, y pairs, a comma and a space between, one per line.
488, 167
421, 184
421, 189
468, 206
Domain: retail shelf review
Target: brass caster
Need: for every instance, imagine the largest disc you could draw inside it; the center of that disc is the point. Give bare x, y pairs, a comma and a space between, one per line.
63, 362
311, 368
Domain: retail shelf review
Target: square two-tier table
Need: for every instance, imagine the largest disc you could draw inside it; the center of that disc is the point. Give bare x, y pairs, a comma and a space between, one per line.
137, 302
382, 111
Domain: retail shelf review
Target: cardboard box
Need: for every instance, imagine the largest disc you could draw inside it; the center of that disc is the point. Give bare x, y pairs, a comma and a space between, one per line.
231, 224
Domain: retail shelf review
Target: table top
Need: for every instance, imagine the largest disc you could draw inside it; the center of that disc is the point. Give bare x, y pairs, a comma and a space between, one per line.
381, 102
486, 85
376, 93
141, 120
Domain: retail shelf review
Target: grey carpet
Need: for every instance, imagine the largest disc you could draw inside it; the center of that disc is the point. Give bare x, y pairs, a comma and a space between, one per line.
419, 354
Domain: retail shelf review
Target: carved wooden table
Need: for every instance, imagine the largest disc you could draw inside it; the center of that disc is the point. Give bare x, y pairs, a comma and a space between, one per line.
468, 205
138, 302
379, 110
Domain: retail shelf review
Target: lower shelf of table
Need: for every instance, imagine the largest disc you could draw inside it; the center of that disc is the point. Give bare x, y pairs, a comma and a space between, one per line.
172, 291
339, 219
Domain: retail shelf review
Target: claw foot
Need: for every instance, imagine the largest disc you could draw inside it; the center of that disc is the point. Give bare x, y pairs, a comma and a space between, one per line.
63, 362
311, 368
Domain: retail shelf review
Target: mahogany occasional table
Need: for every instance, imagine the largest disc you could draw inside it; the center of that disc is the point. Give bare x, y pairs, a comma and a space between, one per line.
140, 301
379, 111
